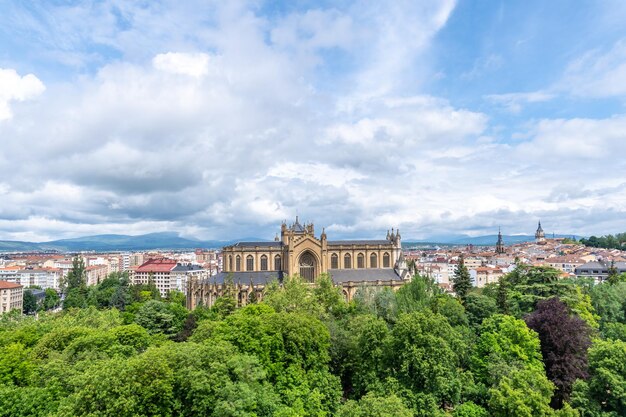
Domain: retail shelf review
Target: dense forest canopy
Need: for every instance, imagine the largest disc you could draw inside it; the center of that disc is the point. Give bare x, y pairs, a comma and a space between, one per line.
531, 345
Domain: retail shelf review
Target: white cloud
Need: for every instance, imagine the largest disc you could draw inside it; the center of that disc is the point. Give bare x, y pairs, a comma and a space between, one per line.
194, 65
14, 87
318, 173
597, 73
514, 102
230, 140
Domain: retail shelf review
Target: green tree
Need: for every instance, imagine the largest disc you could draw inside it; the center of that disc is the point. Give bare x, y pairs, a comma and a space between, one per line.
425, 355
479, 307
159, 317
76, 276
372, 405
461, 281
604, 393
51, 299
521, 393
470, 409
29, 302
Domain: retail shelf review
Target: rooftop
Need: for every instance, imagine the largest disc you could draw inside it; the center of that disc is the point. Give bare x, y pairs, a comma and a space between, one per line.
5, 285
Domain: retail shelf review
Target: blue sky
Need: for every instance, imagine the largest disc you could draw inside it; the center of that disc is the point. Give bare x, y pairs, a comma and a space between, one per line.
221, 119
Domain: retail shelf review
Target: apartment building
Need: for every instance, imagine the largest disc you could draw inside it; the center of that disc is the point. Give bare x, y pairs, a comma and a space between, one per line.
11, 296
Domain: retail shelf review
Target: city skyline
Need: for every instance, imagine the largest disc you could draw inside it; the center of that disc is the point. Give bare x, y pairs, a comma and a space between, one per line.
213, 120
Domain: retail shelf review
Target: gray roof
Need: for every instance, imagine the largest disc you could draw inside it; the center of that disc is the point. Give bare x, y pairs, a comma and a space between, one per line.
360, 275
257, 277
297, 227
359, 242
189, 267
260, 244
596, 265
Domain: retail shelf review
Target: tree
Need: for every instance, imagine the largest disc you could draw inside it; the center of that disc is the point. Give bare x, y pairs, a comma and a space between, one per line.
504, 342
564, 342
461, 281
76, 276
159, 317
372, 405
478, 307
424, 356
51, 299
613, 275
604, 393
29, 302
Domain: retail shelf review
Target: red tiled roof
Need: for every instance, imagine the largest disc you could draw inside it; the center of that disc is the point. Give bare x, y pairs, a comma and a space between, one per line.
5, 285
157, 265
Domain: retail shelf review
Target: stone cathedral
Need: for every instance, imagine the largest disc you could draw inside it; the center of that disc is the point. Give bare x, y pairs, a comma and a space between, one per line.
351, 264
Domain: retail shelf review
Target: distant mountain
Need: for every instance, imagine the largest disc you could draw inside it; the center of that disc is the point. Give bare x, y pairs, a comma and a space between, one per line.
171, 240
161, 240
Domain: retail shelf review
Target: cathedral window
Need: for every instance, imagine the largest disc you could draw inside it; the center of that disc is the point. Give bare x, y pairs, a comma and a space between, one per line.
249, 263
277, 263
230, 262
347, 261
334, 261
373, 261
360, 261
238, 263
263, 263
386, 260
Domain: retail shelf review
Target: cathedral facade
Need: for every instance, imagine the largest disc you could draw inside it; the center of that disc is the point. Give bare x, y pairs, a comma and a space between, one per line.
351, 264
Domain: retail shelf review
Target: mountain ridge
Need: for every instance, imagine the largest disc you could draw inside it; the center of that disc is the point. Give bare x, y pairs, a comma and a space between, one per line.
172, 240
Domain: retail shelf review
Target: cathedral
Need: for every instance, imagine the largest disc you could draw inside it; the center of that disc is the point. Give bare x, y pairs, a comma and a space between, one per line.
351, 264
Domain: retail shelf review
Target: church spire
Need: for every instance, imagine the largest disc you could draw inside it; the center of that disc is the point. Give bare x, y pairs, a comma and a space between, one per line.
500, 243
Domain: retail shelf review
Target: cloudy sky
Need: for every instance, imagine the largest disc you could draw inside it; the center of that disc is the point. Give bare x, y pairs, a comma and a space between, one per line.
219, 119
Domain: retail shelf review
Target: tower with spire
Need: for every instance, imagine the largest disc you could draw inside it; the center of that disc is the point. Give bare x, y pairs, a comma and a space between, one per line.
540, 236
500, 243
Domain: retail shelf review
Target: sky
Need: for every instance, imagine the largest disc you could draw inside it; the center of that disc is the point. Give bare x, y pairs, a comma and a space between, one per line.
219, 120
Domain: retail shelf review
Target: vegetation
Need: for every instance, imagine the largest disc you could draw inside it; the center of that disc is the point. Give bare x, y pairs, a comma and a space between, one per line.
532, 345
609, 241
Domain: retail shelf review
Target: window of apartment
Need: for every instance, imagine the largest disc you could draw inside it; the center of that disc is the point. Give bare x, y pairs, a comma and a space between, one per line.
277, 263
263, 263
373, 261
334, 261
238, 263
386, 260
347, 261
249, 263
360, 261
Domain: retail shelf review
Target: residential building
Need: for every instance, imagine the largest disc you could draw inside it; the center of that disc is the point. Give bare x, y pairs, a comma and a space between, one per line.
599, 270
11, 296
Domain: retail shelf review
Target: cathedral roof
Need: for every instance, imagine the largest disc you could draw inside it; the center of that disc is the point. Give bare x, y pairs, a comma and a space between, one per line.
358, 242
260, 244
360, 275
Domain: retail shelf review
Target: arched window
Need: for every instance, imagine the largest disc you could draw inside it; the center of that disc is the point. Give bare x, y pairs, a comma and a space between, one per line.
360, 261
238, 263
307, 267
263, 263
386, 260
249, 263
334, 261
230, 262
347, 261
373, 261
277, 263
